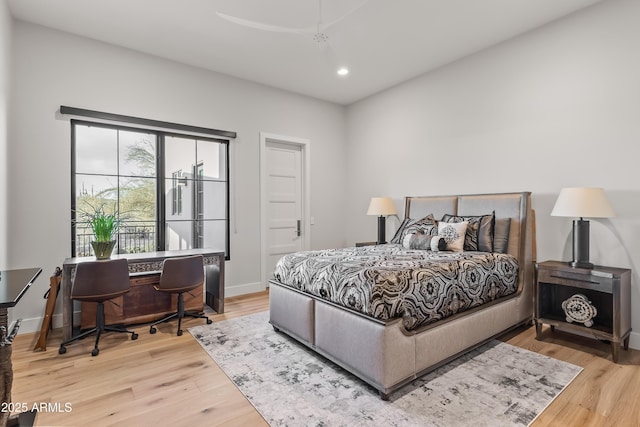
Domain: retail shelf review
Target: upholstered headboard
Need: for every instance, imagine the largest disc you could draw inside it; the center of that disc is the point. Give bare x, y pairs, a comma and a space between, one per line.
515, 206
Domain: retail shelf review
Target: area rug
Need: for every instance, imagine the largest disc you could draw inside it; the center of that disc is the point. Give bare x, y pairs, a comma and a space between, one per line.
495, 385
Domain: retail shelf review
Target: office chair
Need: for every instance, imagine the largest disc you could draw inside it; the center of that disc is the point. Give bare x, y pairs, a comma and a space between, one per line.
99, 281
180, 275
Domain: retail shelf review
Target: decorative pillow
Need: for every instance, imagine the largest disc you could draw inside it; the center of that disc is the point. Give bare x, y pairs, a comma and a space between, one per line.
501, 235
438, 244
479, 235
417, 240
422, 241
453, 233
396, 236
428, 225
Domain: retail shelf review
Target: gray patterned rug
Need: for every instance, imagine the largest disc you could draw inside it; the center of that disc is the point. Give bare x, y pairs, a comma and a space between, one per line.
495, 385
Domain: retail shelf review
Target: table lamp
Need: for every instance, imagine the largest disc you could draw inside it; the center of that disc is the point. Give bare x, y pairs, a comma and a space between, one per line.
582, 202
383, 207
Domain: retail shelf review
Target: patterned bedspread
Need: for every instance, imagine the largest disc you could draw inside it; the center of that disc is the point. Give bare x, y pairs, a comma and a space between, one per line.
389, 281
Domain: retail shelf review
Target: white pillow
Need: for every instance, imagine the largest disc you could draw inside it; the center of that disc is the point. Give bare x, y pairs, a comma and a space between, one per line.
420, 241
435, 243
453, 233
406, 242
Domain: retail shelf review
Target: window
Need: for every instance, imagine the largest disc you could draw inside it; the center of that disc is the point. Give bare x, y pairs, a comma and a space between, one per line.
200, 217
170, 191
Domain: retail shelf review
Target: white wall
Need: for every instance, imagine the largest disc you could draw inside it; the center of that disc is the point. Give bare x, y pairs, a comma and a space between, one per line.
51, 68
5, 68
554, 108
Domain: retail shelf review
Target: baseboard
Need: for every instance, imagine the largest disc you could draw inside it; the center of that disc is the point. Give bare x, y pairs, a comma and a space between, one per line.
28, 325
247, 288
35, 323
634, 340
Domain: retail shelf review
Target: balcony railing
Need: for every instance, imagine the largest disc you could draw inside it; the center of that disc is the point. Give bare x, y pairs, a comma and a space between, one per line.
131, 239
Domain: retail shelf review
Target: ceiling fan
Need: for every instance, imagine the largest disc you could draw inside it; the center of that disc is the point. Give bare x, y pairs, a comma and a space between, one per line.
318, 32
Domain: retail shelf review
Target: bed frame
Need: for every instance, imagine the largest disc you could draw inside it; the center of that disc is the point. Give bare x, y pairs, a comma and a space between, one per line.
384, 354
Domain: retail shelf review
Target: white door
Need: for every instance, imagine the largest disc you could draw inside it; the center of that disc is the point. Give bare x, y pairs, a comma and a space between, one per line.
284, 217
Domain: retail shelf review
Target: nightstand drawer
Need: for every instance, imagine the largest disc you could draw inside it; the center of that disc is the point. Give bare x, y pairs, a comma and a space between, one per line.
569, 278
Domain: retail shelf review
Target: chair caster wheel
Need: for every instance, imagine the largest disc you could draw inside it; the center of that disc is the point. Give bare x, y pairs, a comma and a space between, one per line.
152, 330
62, 350
134, 336
179, 332
209, 321
95, 352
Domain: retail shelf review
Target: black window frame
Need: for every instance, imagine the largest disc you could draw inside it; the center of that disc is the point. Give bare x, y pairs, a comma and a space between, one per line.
160, 177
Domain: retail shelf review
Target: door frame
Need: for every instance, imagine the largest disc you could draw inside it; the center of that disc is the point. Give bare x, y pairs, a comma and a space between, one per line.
305, 152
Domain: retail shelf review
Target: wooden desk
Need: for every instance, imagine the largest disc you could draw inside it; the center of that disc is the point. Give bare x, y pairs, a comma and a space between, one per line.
149, 262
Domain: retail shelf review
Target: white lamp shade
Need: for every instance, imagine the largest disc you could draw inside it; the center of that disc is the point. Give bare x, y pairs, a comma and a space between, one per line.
583, 202
381, 206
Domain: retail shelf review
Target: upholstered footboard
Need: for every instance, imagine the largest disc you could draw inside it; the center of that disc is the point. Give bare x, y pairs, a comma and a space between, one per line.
384, 354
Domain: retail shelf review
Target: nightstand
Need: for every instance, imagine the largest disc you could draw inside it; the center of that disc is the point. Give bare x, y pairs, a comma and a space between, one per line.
366, 244
595, 302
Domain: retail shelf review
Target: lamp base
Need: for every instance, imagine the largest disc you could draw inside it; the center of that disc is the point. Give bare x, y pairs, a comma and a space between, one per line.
581, 244
580, 264
382, 234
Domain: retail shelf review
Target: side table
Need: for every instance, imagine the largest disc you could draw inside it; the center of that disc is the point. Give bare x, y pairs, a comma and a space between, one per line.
594, 301
360, 244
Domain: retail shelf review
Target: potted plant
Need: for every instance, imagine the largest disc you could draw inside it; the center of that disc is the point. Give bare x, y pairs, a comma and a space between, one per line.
105, 227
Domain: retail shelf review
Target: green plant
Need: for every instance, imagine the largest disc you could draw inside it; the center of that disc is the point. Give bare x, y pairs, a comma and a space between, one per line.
104, 225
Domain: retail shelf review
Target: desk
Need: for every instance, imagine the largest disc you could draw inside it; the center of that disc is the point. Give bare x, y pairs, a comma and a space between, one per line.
13, 285
149, 262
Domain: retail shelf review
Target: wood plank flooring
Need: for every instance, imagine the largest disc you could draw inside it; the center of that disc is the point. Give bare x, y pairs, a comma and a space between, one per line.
164, 380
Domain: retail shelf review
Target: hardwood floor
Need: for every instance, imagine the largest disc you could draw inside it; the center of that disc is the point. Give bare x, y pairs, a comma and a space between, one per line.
157, 380
603, 394
162, 379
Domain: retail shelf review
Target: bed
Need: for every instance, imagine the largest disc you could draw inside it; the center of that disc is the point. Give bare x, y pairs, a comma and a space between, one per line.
391, 313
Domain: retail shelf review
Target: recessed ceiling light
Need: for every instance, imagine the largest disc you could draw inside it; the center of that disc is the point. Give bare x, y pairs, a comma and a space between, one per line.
343, 71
